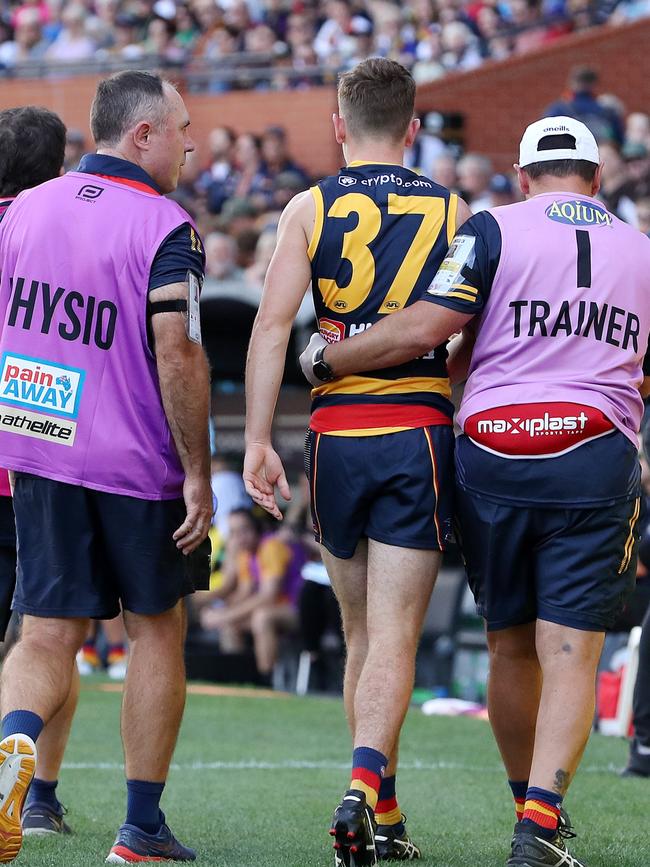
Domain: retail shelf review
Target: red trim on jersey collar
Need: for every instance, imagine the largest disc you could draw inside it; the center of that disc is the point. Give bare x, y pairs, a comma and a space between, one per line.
136, 185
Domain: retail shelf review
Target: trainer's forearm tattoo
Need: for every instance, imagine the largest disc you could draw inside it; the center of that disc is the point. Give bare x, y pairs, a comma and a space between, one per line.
561, 782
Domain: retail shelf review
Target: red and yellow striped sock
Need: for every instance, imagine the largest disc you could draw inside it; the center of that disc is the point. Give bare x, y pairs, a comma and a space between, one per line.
543, 809
368, 768
387, 811
519, 789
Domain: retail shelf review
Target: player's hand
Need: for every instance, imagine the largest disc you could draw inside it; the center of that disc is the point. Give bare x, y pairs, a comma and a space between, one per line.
263, 471
307, 358
199, 506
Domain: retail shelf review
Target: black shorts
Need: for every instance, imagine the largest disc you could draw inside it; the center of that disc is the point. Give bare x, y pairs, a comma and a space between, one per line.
394, 488
86, 553
572, 566
7, 562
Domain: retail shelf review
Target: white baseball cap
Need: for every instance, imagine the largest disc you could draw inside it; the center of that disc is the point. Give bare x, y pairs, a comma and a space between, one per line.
585, 147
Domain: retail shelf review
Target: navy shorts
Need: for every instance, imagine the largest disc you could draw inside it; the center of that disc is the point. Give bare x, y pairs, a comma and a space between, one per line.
572, 566
86, 553
394, 488
7, 562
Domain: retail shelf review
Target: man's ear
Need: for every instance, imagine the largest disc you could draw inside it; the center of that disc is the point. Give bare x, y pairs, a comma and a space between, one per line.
524, 180
412, 131
340, 130
142, 135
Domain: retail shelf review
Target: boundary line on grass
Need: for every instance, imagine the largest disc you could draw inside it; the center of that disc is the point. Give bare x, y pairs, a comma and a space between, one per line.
254, 765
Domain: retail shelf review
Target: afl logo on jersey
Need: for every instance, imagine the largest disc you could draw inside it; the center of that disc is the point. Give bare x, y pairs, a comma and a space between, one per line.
578, 213
392, 305
341, 305
347, 181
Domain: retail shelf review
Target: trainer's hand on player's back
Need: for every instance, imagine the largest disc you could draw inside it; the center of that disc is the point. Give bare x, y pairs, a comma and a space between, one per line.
307, 357
197, 494
263, 471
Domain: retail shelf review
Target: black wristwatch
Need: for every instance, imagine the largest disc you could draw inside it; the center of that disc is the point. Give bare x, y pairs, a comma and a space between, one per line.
321, 369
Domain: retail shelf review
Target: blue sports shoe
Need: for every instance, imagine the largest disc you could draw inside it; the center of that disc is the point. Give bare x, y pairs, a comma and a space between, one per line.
133, 845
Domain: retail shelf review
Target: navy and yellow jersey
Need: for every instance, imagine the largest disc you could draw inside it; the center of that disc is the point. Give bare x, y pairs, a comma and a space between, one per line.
380, 234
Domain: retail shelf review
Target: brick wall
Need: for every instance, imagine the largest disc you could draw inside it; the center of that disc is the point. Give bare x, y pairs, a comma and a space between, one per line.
497, 100
500, 99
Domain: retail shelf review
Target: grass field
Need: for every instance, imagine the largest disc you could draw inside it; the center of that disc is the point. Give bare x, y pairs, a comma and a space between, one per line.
256, 779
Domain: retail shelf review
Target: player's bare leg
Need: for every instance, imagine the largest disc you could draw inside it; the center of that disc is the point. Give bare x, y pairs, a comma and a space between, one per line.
37, 675
514, 691
349, 581
267, 624
53, 740
368, 604
36, 682
400, 581
43, 813
569, 660
154, 692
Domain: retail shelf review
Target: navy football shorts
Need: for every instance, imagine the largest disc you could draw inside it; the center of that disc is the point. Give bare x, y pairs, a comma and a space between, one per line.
571, 566
394, 488
7, 562
86, 553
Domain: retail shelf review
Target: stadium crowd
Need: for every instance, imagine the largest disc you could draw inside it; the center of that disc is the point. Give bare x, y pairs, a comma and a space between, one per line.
286, 38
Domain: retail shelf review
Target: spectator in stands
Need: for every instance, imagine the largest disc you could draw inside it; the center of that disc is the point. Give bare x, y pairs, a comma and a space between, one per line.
637, 129
502, 191
428, 145
250, 180
615, 188
256, 272
428, 53
75, 148
219, 181
643, 216
125, 43
474, 175
28, 43
187, 28
637, 161
223, 277
334, 44
261, 586
495, 40
72, 43
285, 186
210, 21
444, 171
299, 34
460, 48
161, 41
276, 158
582, 104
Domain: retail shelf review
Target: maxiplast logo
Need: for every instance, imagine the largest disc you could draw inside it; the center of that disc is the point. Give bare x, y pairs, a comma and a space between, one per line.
579, 213
331, 330
37, 384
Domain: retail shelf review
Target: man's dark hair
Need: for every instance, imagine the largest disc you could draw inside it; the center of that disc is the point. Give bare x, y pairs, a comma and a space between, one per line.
583, 78
377, 98
250, 517
565, 168
124, 99
32, 147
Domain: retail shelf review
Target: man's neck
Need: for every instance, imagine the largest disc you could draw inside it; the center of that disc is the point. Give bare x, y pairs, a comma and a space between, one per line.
574, 186
381, 154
